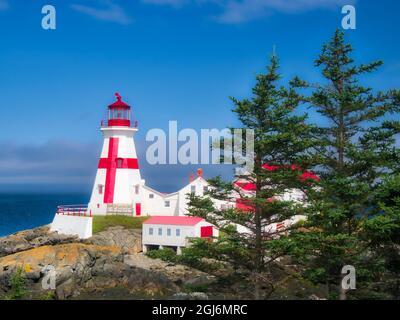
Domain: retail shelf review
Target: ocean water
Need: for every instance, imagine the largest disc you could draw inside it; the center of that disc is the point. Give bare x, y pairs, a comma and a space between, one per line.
25, 211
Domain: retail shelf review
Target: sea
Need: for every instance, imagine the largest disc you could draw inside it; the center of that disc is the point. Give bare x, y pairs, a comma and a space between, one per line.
19, 211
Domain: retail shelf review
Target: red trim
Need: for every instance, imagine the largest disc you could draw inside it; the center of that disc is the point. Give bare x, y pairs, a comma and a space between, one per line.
127, 163
245, 205
138, 209
119, 123
206, 232
131, 163
119, 104
111, 166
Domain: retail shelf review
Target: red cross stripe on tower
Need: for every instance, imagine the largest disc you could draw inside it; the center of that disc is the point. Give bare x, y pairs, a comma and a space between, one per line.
111, 164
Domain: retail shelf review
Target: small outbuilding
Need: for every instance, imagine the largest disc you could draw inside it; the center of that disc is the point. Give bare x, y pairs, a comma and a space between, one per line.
174, 232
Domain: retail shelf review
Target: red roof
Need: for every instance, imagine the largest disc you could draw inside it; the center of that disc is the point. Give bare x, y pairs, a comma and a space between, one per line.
175, 220
305, 175
249, 186
119, 104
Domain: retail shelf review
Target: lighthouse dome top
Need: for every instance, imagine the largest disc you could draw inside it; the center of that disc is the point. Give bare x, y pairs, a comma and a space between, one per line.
119, 104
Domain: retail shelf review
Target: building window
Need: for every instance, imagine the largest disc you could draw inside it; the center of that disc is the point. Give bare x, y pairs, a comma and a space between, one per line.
167, 204
193, 189
119, 163
151, 196
178, 232
159, 231
151, 231
168, 232
205, 189
100, 187
137, 189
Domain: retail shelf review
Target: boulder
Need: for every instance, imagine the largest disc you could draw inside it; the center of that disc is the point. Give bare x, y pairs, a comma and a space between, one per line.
33, 238
83, 268
128, 240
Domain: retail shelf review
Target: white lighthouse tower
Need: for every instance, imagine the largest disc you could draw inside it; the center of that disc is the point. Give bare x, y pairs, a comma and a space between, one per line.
118, 184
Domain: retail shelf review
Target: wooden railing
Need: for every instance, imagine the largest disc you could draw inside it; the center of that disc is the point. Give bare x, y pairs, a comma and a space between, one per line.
120, 209
74, 210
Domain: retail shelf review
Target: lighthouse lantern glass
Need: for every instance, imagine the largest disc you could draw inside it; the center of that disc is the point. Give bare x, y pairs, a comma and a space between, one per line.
119, 114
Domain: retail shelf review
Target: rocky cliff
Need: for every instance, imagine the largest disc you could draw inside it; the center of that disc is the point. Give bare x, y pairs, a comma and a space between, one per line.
108, 265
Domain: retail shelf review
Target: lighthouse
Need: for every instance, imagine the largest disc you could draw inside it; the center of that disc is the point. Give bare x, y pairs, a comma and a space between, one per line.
117, 186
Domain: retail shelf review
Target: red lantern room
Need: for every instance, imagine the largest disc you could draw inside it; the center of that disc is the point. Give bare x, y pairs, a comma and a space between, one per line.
119, 113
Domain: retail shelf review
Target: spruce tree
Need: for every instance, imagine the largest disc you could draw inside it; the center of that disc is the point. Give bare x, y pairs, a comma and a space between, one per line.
357, 151
281, 141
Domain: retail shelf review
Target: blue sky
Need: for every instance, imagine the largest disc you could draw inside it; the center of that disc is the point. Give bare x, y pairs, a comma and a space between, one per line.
170, 59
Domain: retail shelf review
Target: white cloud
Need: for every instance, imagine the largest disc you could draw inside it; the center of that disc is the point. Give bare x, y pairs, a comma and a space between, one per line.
241, 11
3, 5
173, 3
109, 11
53, 162
237, 11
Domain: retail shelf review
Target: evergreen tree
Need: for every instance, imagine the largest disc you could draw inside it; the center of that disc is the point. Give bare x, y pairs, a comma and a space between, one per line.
281, 141
382, 231
357, 150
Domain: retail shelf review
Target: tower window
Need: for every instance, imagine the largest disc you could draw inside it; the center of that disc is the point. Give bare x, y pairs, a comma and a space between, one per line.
151, 196
193, 189
119, 163
137, 189
167, 203
100, 188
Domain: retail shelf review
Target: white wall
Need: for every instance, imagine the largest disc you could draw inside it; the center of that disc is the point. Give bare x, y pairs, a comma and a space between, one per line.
73, 225
96, 204
156, 206
164, 240
199, 183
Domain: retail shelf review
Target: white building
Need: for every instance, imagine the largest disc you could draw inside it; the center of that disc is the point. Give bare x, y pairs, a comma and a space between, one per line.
174, 232
120, 190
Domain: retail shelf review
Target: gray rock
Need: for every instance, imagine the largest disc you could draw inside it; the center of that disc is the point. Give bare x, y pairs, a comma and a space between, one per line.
33, 238
190, 296
198, 296
129, 240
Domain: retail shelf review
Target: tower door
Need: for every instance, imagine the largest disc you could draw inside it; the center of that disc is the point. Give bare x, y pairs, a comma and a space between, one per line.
138, 209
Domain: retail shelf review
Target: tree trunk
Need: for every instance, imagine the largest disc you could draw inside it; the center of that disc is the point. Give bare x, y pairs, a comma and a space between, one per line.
258, 230
342, 292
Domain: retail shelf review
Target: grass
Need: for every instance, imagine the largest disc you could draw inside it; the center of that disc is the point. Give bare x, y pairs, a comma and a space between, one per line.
101, 223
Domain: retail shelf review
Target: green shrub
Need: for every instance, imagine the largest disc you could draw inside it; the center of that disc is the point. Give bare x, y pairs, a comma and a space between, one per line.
166, 254
49, 295
18, 285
